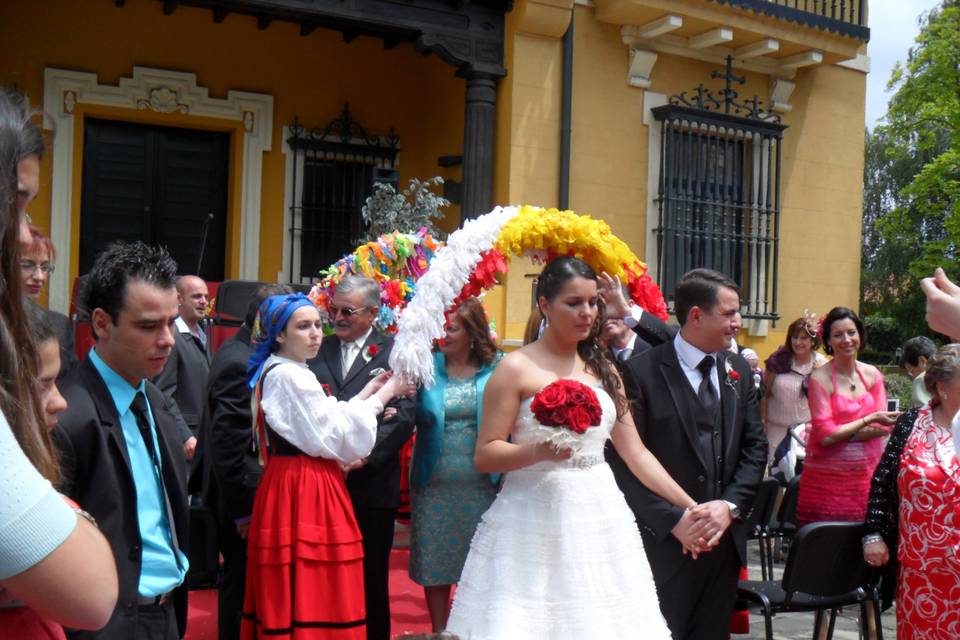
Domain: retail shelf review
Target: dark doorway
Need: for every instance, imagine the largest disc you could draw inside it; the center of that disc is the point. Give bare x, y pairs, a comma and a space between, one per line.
158, 185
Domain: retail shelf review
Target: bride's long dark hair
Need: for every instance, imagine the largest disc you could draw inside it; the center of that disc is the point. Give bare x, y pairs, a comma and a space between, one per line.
554, 276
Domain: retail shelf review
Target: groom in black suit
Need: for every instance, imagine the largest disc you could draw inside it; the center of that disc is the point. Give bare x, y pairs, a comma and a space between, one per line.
346, 363
696, 409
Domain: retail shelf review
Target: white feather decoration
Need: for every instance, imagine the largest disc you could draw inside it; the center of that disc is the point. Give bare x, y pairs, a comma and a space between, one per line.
422, 321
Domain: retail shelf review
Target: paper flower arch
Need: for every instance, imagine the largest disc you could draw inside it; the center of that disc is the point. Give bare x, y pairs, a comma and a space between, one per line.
395, 261
476, 253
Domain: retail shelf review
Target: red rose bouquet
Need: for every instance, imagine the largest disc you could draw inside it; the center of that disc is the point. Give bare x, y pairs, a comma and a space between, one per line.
569, 404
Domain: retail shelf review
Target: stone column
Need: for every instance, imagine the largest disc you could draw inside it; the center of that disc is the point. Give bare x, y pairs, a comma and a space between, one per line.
479, 132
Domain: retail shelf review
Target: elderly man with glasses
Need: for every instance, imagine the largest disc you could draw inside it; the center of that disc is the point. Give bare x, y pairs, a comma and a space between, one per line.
346, 362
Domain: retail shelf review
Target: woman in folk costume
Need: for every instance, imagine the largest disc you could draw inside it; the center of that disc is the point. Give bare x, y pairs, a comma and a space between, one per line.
304, 552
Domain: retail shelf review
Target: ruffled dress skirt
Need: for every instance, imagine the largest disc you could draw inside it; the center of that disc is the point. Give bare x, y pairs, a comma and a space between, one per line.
304, 555
558, 556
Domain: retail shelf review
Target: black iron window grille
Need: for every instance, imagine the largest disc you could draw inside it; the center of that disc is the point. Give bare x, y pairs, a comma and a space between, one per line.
334, 171
718, 194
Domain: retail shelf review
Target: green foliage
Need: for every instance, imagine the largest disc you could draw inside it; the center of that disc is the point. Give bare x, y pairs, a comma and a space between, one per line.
415, 207
911, 218
883, 333
898, 385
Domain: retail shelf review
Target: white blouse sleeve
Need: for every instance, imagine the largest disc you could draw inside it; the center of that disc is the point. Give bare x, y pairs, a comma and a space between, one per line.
297, 409
34, 519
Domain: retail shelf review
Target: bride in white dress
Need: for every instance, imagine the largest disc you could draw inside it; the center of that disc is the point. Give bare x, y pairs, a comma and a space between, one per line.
558, 555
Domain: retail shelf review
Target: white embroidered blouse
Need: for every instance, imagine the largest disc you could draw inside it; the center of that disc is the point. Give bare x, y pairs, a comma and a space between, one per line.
299, 411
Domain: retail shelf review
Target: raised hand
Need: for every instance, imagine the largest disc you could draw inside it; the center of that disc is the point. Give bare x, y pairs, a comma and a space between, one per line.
609, 289
375, 384
943, 304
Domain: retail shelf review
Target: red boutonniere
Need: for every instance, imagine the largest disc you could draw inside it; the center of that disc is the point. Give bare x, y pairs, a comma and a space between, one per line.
733, 376
569, 404
370, 352
326, 388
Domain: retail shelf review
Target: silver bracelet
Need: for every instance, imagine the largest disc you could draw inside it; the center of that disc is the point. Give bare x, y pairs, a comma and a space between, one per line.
85, 515
870, 538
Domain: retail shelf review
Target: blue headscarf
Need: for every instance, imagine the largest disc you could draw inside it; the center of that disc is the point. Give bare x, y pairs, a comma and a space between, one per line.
272, 318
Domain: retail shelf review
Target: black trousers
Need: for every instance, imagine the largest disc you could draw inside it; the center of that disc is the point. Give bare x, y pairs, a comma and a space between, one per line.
156, 622
697, 600
233, 548
376, 526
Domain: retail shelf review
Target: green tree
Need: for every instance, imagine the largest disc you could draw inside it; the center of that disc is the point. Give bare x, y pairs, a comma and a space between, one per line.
912, 176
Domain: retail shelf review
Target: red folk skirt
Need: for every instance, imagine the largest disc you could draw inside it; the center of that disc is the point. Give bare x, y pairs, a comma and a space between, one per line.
304, 555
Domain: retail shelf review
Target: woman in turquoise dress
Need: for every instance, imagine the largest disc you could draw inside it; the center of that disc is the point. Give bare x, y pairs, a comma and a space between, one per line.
447, 494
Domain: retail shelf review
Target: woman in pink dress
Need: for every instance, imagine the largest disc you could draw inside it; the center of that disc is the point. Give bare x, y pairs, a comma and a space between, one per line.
848, 424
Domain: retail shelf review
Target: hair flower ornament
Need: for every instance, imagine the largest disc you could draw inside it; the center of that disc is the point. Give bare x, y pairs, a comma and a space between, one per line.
811, 324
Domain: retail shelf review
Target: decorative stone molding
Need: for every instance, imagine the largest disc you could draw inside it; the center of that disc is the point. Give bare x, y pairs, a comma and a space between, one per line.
548, 18
651, 101
163, 100
861, 63
162, 91
780, 91
641, 67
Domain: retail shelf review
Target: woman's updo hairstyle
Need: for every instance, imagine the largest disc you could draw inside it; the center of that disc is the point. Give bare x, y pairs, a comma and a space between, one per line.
942, 366
835, 315
553, 278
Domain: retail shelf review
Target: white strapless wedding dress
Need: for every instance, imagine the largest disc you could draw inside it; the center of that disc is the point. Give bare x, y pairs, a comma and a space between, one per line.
558, 555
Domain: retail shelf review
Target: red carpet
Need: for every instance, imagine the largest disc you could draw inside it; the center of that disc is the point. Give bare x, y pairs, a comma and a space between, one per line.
408, 609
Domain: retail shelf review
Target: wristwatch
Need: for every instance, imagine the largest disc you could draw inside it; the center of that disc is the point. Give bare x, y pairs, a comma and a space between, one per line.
734, 509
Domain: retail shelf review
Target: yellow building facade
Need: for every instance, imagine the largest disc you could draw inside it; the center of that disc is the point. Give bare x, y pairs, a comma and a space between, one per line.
251, 77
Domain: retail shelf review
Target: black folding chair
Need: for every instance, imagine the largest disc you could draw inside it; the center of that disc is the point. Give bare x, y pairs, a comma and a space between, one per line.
783, 527
825, 571
758, 522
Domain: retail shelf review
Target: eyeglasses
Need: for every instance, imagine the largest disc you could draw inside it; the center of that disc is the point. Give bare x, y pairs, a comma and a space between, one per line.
28, 267
346, 312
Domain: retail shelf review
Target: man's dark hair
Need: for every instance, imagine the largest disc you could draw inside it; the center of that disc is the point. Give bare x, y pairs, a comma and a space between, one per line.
916, 347
262, 294
700, 288
38, 319
105, 286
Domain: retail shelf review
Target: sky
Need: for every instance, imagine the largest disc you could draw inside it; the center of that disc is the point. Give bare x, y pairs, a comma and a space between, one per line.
893, 27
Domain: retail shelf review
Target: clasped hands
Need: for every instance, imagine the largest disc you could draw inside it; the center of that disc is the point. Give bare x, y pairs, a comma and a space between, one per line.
702, 526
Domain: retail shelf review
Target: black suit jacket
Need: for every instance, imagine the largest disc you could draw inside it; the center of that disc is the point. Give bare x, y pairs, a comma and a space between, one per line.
184, 382
663, 408
96, 473
226, 436
376, 485
654, 331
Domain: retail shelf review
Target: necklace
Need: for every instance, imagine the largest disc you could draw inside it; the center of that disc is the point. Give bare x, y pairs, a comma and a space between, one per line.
850, 378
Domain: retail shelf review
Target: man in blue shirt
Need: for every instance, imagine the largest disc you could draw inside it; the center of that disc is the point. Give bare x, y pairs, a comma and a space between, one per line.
120, 451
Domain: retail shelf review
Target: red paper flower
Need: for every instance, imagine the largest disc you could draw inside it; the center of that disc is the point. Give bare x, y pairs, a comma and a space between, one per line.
567, 403
371, 352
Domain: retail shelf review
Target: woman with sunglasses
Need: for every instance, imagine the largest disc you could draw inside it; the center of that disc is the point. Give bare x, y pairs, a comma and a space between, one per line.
304, 549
